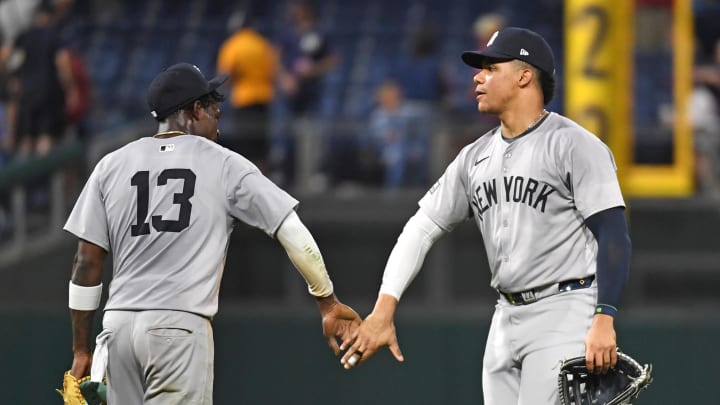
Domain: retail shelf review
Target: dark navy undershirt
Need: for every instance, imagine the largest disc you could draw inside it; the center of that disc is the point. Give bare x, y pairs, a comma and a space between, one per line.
613, 258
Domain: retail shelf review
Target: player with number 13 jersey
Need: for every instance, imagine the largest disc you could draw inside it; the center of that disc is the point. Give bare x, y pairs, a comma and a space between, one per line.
165, 206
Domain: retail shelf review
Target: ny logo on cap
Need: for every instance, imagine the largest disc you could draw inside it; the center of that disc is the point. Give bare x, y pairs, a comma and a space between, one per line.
492, 38
523, 52
197, 68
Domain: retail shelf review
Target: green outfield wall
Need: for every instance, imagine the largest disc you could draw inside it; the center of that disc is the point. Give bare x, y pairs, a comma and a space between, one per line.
286, 361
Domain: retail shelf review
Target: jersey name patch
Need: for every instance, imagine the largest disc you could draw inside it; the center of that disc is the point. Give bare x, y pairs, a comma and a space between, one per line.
517, 189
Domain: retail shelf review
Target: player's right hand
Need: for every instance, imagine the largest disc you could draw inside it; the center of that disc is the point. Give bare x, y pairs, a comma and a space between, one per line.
339, 321
375, 332
601, 345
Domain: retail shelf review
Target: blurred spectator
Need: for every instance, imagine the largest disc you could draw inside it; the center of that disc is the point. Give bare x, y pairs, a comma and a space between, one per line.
420, 71
44, 74
251, 62
78, 95
5, 153
705, 115
485, 26
4, 136
706, 14
15, 17
652, 19
424, 87
401, 147
306, 59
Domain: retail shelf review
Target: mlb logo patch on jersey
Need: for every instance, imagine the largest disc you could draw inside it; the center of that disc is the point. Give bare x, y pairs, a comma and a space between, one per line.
167, 148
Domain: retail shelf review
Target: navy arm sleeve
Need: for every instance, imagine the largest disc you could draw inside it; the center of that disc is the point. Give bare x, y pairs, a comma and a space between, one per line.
613, 258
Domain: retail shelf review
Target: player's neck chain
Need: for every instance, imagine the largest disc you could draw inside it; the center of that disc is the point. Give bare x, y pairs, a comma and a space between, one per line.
539, 117
168, 134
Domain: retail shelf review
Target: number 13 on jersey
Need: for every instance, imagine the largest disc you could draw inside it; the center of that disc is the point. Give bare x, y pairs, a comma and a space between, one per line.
141, 180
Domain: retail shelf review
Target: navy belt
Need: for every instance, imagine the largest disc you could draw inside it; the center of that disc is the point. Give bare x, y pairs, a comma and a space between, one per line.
530, 296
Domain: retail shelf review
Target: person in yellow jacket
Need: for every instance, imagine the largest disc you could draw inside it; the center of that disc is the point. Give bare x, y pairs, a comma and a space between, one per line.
251, 62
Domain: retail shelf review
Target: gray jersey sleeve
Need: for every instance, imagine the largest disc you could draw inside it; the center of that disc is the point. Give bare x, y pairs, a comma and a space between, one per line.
592, 173
254, 199
88, 220
447, 203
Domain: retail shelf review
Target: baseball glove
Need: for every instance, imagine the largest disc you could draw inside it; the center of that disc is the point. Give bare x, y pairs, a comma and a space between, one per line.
82, 391
620, 386
71, 390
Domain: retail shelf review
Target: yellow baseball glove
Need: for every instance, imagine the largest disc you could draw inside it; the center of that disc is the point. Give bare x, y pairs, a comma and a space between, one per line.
71, 390
83, 391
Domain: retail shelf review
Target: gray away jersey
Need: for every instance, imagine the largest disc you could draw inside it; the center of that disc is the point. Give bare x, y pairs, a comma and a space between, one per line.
165, 209
529, 198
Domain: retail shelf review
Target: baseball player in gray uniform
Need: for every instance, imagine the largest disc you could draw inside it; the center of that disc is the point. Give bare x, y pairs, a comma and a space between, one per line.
544, 193
165, 206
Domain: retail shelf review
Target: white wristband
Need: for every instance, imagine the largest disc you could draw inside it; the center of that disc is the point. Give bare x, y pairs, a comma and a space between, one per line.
84, 298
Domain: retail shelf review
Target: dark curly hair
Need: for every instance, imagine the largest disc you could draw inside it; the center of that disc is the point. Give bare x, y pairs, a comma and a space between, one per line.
205, 101
547, 84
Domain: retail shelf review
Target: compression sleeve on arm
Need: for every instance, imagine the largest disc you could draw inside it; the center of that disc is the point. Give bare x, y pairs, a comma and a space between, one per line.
406, 258
305, 255
613, 257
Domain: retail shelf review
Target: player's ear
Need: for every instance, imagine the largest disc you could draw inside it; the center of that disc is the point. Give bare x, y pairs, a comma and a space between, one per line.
197, 110
525, 77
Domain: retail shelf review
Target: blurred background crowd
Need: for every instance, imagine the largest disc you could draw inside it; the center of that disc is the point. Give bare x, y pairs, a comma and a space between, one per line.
323, 94
355, 107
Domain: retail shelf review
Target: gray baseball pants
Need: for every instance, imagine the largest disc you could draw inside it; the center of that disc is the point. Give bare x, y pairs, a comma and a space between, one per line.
159, 357
527, 342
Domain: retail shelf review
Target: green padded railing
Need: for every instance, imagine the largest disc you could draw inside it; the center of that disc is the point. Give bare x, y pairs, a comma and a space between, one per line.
21, 171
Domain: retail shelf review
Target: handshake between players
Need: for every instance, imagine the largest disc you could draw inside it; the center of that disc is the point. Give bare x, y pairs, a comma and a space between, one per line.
375, 332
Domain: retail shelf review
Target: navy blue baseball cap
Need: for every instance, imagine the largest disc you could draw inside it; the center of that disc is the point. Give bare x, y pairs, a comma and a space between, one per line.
178, 86
515, 43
